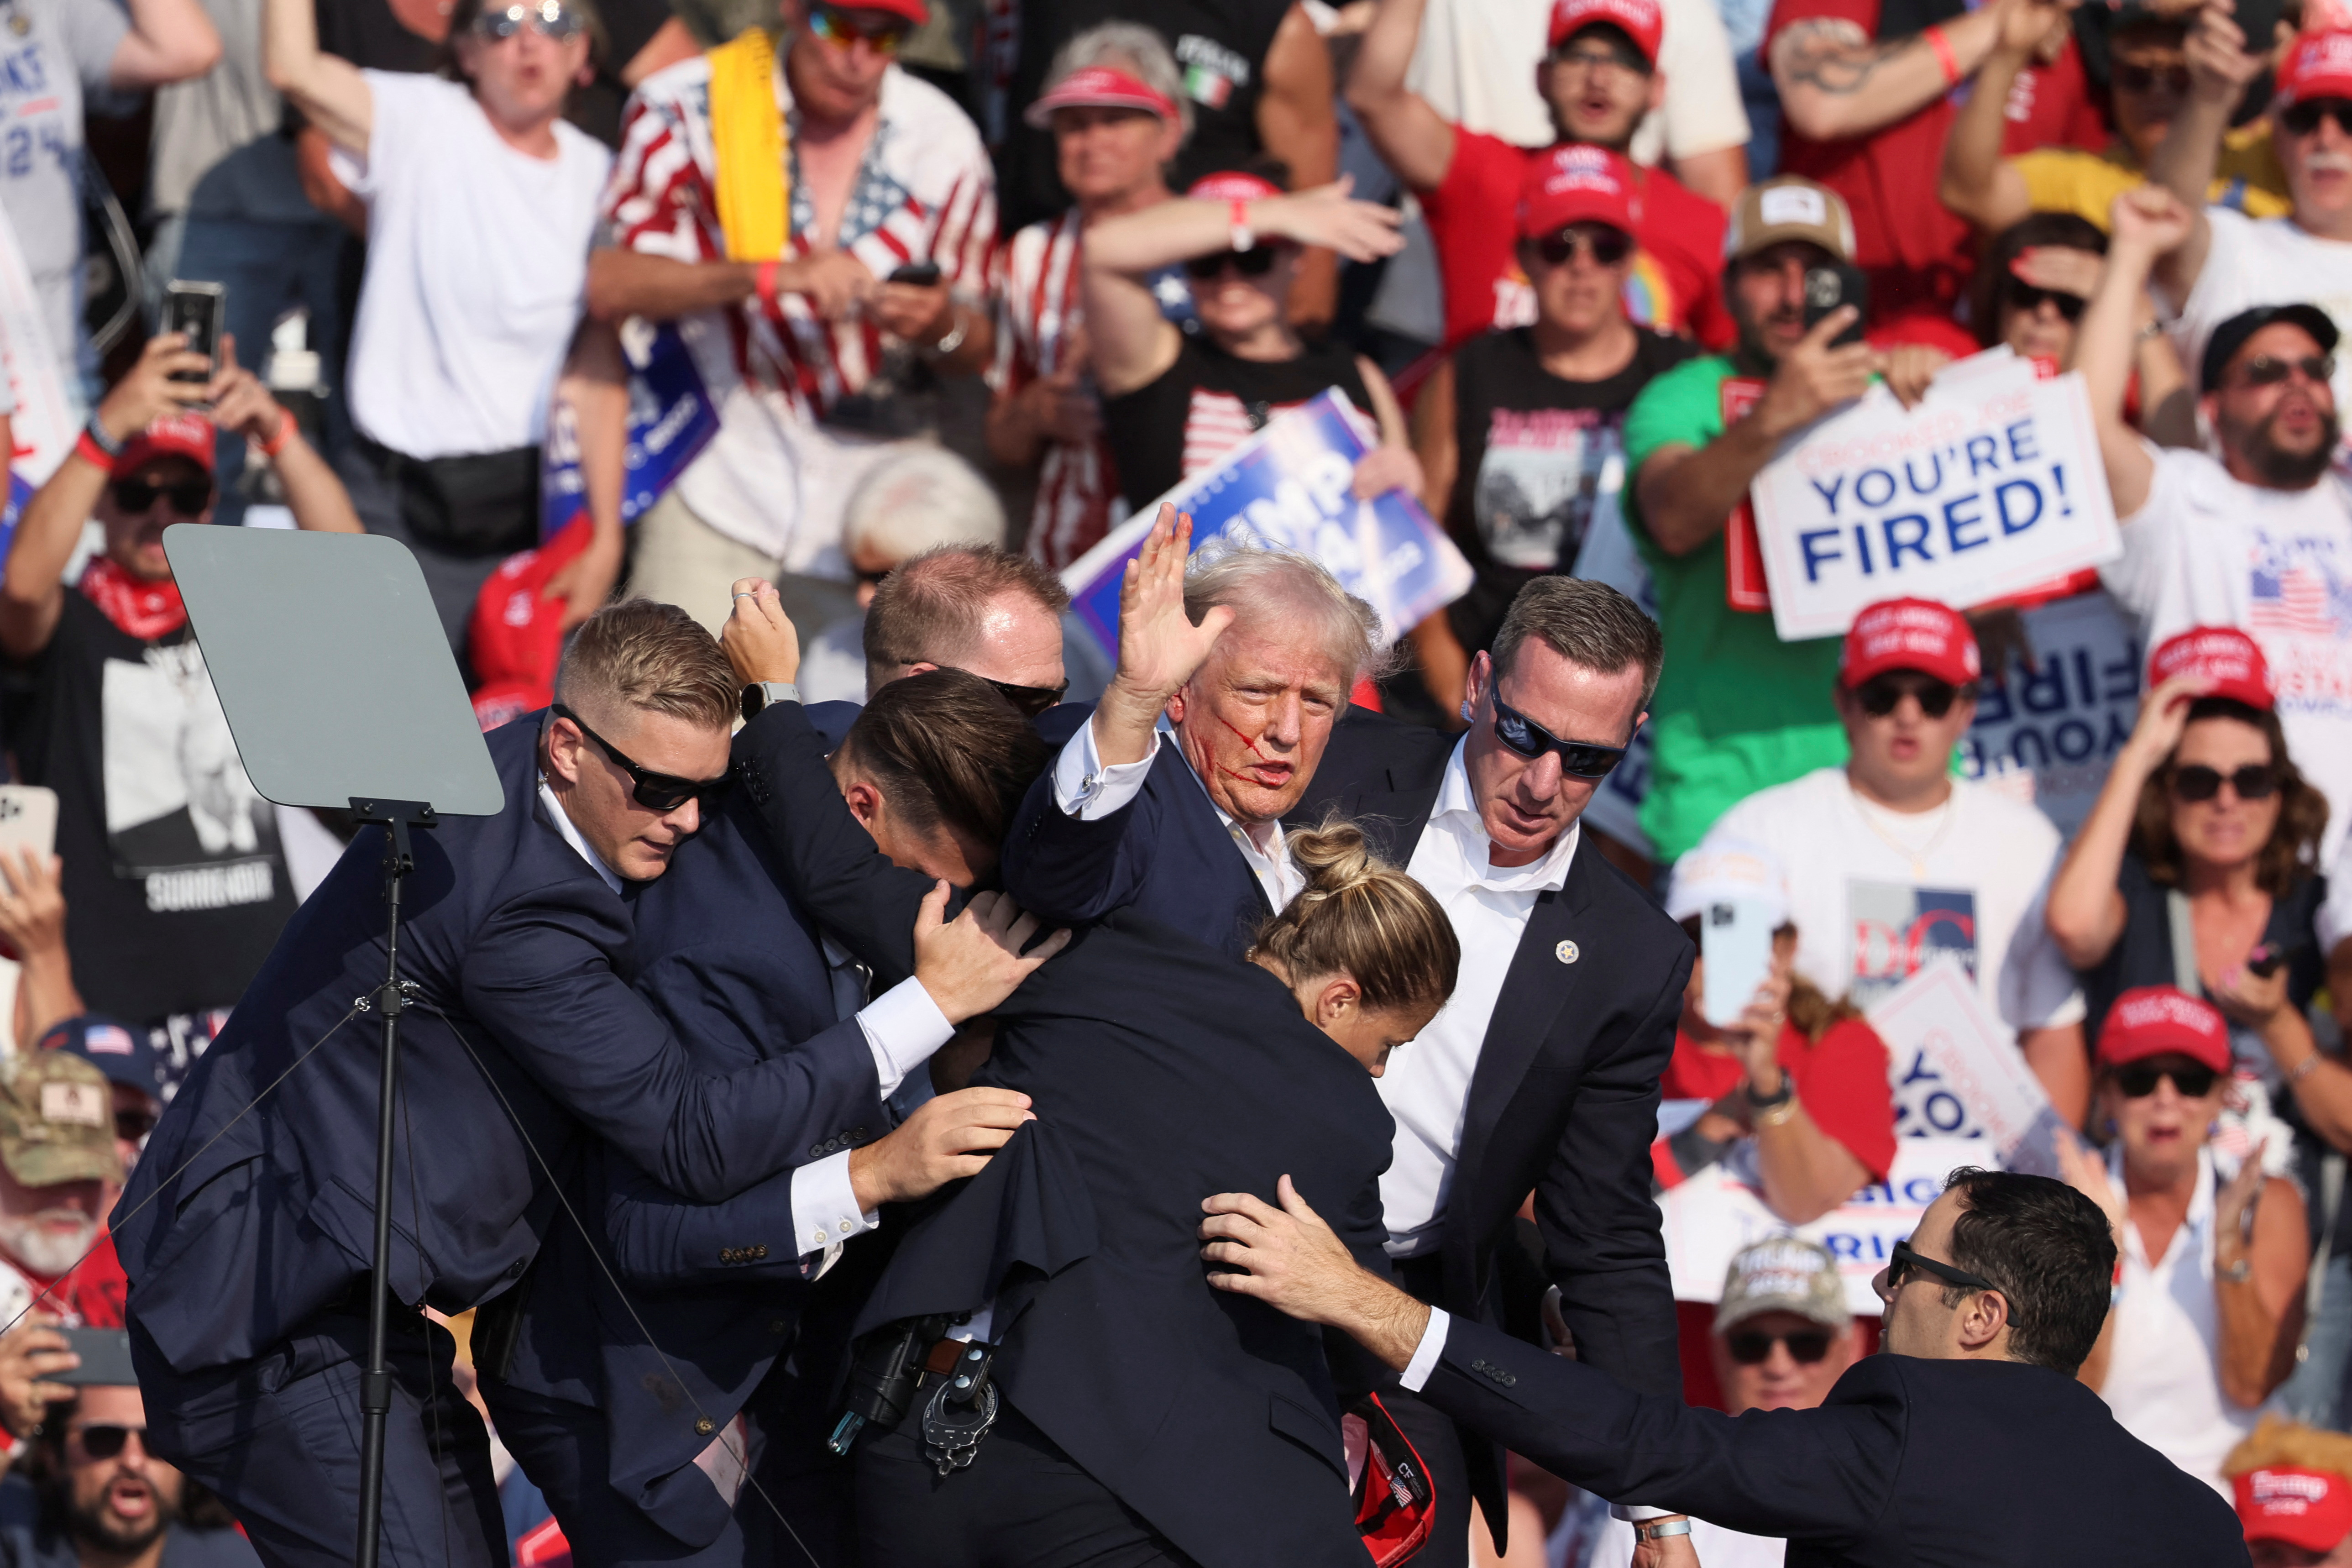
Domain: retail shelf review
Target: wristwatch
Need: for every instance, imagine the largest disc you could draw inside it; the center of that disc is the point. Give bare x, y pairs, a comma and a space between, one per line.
761, 693
2237, 1273
1765, 1102
1651, 1529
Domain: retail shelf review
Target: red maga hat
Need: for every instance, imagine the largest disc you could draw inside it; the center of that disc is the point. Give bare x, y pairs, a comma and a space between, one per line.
2157, 1020
1576, 183
2306, 1507
2224, 656
2319, 66
1909, 634
1639, 19
188, 436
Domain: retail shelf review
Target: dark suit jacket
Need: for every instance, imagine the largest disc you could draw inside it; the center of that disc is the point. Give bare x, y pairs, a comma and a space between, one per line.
1564, 1101
1964, 1464
515, 944
738, 971
1161, 1071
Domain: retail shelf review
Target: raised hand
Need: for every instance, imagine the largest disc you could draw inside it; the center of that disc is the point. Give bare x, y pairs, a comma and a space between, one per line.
2151, 219
1328, 217
1159, 646
2220, 64
1816, 376
759, 638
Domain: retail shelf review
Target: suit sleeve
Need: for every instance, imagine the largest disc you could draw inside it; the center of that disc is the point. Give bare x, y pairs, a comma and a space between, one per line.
1065, 868
829, 861
1600, 1225
539, 976
1824, 1475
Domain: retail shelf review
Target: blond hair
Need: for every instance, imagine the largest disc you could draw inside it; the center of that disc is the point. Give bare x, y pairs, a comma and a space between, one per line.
2273, 1442
650, 657
1360, 917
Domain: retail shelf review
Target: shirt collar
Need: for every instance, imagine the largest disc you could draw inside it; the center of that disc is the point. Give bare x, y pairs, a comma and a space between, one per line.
563, 825
1456, 815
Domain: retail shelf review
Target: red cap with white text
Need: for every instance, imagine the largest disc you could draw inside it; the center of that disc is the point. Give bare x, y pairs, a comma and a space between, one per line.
1099, 87
1640, 20
1232, 186
2224, 656
2319, 66
2159, 1020
1576, 183
1909, 634
2306, 1507
188, 436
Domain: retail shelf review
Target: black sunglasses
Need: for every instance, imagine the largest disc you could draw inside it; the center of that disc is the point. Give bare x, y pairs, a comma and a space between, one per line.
1749, 1346
1255, 262
654, 792
2304, 119
2255, 781
2264, 371
1031, 700
2175, 79
1608, 246
2194, 1079
1903, 1260
1882, 694
1577, 759
106, 1442
188, 498
2027, 298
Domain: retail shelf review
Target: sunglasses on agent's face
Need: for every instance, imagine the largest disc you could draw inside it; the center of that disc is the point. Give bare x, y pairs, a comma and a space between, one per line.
549, 19
1882, 694
1577, 759
2196, 782
1255, 262
1029, 700
2191, 1081
136, 498
2025, 297
1902, 1263
843, 31
1750, 1347
654, 792
2303, 119
1606, 246
105, 1442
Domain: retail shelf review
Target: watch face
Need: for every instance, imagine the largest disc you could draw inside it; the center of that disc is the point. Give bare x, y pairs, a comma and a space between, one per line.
755, 698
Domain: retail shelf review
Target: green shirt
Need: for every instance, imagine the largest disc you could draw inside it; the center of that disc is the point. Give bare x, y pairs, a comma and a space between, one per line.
1738, 709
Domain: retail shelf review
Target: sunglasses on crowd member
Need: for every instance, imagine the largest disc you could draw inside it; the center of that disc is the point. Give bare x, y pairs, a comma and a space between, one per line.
2194, 1080
2196, 782
1603, 53
1252, 263
188, 498
1882, 694
1748, 1347
1029, 700
548, 18
1606, 246
1903, 1260
2027, 298
2263, 370
841, 30
1577, 759
2303, 119
2175, 79
654, 792
104, 1442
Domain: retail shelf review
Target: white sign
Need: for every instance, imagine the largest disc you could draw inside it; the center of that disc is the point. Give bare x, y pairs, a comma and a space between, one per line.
1937, 1020
1992, 488
2060, 725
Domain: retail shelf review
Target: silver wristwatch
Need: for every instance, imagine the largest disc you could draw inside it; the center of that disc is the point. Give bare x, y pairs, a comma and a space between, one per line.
760, 694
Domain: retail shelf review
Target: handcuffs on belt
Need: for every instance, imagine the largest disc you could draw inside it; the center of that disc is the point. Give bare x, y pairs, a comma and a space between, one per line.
963, 1407
886, 1376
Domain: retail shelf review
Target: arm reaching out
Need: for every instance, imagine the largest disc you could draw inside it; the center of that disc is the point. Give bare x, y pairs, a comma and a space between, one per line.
2149, 222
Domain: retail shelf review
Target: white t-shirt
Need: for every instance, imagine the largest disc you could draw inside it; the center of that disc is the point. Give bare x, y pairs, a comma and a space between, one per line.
55, 56
2267, 261
476, 260
2209, 550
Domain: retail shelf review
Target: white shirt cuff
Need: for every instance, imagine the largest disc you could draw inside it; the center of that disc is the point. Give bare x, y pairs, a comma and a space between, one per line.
1425, 1354
1090, 789
825, 1205
903, 1028
1638, 1512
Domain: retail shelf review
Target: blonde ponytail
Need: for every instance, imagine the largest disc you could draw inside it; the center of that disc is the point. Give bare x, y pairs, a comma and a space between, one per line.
1360, 917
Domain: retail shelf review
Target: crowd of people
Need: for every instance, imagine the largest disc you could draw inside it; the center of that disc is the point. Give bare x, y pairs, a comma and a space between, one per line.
767, 369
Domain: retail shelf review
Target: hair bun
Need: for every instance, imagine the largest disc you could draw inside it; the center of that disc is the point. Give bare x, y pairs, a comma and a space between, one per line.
1335, 857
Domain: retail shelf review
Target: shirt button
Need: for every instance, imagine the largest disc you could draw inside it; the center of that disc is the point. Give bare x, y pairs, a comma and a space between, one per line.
844, 1227
817, 1236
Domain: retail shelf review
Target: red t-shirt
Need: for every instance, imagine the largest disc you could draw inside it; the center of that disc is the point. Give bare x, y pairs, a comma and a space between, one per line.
1916, 252
1841, 1080
1675, 283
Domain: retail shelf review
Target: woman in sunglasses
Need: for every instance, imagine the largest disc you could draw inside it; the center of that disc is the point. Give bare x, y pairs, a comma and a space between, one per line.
1176, 404
2209, 1296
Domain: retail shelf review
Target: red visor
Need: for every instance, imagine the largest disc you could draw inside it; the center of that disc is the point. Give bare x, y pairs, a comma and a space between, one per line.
1099, 87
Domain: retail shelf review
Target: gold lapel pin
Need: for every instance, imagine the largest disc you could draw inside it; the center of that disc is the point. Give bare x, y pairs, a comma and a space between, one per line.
1566, 952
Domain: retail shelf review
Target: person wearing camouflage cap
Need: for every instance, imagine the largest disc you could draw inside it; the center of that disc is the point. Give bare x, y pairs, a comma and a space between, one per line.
57, 1145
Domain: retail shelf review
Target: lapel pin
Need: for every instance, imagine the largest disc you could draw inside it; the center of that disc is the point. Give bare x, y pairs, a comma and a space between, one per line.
1566, 952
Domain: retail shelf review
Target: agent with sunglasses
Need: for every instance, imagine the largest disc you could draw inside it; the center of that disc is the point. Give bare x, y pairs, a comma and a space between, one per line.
2211, 1298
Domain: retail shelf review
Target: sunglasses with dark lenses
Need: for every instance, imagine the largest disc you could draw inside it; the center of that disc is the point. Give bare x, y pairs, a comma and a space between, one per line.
1031, 700
1255, 262
2175, 79
188, 498
2263, 370
654, 792
2304, 119
840, 31
2255, 781
2027, 298
1608, 246
106, 1442
1577, 759
1902, 1261
549, 19
1882, 694
2194, 1080
1748, 1347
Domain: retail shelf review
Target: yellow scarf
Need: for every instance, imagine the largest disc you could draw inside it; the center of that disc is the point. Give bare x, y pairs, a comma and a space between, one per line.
747, 138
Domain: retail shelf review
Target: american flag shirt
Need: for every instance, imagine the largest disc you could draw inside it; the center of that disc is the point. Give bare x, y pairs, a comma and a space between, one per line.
2208, 550
1040, 330
924, 191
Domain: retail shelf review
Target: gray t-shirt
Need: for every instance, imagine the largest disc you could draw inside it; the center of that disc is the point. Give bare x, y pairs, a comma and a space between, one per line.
217, 150
53, 55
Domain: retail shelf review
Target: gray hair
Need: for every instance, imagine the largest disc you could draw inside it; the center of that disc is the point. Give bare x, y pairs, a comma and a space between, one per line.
1586, 623
1131, 47
919, 497
1258, 580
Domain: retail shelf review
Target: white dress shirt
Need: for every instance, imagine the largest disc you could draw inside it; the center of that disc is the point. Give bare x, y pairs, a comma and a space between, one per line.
1427, 1085
903, 1028
1087, 788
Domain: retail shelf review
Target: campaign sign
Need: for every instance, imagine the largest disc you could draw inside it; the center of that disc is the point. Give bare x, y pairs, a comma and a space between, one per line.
1288, 486
1953, 1061
2060, 725
671, 419
1608, 555
1985, 492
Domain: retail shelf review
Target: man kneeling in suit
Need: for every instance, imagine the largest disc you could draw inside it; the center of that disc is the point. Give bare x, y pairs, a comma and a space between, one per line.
1968, 1441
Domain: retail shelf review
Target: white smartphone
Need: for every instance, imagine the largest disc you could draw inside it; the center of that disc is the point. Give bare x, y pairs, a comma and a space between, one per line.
28, 819
1735, 941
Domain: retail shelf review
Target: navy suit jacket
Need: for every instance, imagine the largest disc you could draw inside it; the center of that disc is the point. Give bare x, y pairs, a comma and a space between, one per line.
1166, 855
1963, 1464
738, 971
1161, 1071
517, 946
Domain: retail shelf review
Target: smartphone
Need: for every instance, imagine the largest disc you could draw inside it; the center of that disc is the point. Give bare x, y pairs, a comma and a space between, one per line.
1827, 287
921, 274
29, 820
1735, 941
105, 1359
197, 310
2264, 961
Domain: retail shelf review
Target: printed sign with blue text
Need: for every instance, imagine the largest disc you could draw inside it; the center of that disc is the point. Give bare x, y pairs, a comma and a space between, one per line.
2058, 725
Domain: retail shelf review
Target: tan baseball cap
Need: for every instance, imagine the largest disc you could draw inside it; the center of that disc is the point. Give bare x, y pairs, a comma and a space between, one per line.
57, 1121
1782, 1274
1789, 206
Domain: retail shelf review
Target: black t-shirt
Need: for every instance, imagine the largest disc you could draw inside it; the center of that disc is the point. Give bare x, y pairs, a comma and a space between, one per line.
175, 884
1539, 456
367, 34
629, 27
1208, 403
1220, 48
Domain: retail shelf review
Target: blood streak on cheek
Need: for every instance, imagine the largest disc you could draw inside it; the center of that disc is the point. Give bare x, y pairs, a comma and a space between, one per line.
1245, 740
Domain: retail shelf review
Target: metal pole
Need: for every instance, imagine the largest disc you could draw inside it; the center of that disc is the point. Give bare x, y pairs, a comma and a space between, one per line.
376, 1380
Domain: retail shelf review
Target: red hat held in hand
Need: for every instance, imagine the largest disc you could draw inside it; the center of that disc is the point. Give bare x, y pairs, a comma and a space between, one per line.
2225, 657
1577, 183
1640, 20
2158, 1020
1909, 634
